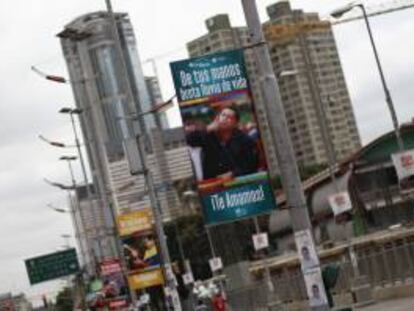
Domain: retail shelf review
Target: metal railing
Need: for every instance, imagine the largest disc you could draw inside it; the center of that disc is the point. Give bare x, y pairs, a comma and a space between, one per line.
386, 263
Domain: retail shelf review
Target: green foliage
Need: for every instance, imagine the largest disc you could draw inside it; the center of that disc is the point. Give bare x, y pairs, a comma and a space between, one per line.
190, 230
305, 172
308, 171
64, 300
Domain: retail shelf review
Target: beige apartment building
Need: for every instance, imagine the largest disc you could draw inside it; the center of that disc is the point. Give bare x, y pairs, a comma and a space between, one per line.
311, 81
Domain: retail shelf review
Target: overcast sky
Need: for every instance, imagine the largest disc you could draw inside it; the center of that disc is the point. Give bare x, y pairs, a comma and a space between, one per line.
29, 104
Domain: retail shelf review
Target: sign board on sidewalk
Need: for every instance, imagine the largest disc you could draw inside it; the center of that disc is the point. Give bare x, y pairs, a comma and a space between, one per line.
52, 266
260, 241
215, 264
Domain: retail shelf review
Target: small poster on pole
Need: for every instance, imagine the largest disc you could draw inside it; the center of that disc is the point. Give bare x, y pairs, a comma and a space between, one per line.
260, 241
306, 250
404, 165
340, 203
215, 264
315, 288
188, 278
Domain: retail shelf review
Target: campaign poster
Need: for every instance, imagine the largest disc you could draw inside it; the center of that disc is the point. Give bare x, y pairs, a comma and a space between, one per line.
110, 289
340, 203
404, 165
141, 252
136, 221
146, 279
306, 250
260, 241
223, 137
315, 288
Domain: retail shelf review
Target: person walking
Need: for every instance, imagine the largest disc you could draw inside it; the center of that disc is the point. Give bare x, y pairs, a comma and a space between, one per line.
201, 306
219, 303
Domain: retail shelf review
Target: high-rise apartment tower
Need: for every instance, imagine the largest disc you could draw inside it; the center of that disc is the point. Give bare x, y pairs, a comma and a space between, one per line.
306, 62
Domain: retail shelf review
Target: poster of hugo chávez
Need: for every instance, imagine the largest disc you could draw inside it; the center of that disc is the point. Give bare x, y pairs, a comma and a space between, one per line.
141, 252
223, 136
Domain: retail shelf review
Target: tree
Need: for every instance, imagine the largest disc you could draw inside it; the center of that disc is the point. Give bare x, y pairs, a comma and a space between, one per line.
64, 300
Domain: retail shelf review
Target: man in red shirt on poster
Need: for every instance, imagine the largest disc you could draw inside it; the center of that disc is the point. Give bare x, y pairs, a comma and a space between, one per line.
219, 303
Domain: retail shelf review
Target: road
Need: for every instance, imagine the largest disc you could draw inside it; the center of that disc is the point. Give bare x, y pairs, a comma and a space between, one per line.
405, 304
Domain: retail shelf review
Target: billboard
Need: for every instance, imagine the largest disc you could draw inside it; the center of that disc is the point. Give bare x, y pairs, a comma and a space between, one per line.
141, 251
52, 266
143, 260
223, 137
146, 279
135, 221
110, 289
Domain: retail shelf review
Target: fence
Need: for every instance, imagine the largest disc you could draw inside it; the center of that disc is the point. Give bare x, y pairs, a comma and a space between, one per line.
385, 259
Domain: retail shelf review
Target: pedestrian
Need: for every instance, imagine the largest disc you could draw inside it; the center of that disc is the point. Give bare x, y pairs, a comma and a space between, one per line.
219, 303
201, 306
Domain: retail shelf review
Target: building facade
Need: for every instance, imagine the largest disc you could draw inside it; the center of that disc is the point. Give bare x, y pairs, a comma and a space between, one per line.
304, 46
99, 88
312, 85
154, 92
172, 176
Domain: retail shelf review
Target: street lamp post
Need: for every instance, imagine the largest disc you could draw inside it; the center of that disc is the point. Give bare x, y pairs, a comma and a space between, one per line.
170, 280
337, 14
78, 111
76, 208
284, 150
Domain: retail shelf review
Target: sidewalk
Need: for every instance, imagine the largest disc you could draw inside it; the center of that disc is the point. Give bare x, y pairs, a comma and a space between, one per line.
404, 304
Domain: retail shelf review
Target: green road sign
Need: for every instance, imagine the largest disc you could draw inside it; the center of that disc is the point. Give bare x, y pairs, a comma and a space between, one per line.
52, 266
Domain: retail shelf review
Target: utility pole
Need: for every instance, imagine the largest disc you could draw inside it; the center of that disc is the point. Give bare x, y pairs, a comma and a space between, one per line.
71, 111
170, 279
74, 201
284, 150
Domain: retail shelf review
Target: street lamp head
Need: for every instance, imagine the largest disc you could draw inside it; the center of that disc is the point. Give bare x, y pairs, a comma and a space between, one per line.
68, 158
65, 235
77, 110
65, 110
341, 11
288, 73
70, 110
57, 209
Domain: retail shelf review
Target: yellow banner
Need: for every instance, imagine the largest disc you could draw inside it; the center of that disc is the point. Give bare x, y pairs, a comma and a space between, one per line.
134, 222
146, 279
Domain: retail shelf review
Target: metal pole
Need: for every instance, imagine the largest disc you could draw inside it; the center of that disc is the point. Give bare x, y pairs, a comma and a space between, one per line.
269, 282
170, 280
76, 208
72, 211
213, 254
284, 150
86, 181
156, 208
388, 98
